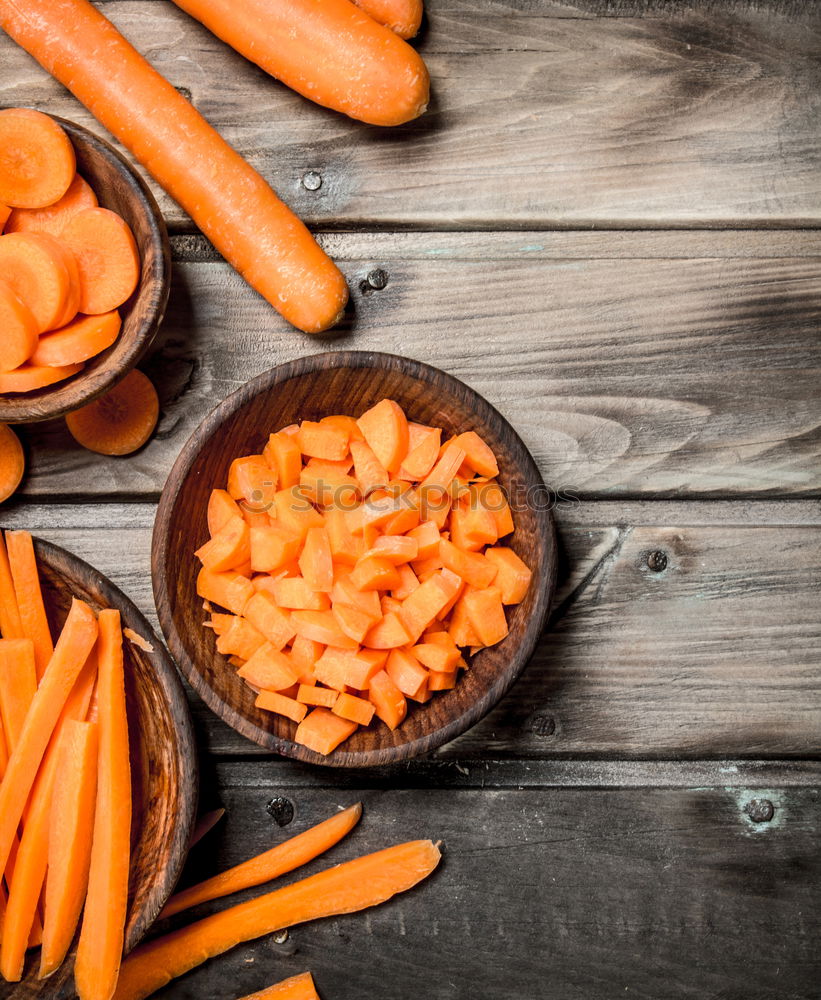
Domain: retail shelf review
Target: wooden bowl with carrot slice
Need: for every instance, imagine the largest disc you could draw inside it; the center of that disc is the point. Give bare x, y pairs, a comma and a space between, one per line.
89, 340
160, 748
341, 628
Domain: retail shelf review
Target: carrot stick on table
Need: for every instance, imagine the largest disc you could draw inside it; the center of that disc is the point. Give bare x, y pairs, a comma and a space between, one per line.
100, 950
225, 196
33, 618
401, 16
299, 987
285, 857
329, 52
354, 885
37, 161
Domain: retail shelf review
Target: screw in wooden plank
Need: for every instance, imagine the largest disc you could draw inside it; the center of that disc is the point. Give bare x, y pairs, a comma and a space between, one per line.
760, 810
377, 279
281, 810
312, 180
543, 725
657, 561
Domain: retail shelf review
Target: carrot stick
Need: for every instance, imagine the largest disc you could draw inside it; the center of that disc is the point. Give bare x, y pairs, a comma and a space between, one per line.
329, 52
26, 880
285, 857
119, 422
71, 652
83, 338
346, 888
36, 159
19, 328
401, 16
52, 218
71, 823
27, 378
240, 214
43, 274
29, 596
18, 684
299, 987
10, 624
100, 950
12, 467
107, 257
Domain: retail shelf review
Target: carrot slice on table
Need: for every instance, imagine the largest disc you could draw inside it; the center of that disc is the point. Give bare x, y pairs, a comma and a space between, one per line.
12, 467
43, 274
241, 215
100, 949
330, 53
19, 328
402, 16
285, 857
69, 842
299, 987
119, 422
83, 338
107, 258
52, 218
23, 565
18, 685
37, 162
27, 378
346, 888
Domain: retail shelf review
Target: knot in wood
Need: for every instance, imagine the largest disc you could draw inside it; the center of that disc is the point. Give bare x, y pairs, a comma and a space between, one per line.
312, 180
377, 278
543, 725
760, 810
657, 561
281, 810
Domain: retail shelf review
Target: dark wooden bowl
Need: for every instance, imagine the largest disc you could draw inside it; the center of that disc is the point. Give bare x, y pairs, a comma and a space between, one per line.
163, 758
344, 382
118, 187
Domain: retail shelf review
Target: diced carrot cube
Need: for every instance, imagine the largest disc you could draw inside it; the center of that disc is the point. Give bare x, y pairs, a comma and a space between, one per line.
396, 549
512, 577
240, 639
436, 506
348, 706
370, 472
228, 590
425, 603
441, 680
375, 511
408, 582
322, 731
304, 654
309, 694
436, 657
389, 604
472, 529
282, 454
487, 614
322, 440
389, 701
252, 480
441, 475
353, 622
374, 573
321, 626
256, 518
273, 547
407, 518
316, 561
229, 548
220, 623
406, 672
388, 633
491, 496
327, 487
363, 665
274, 701
385, 428
331, 668
427, 539
473, 567
459, 627
269, 669
345, 592
296, 512
221, 508
344, 423
478, 454
294, 592
267, 617
422, 453
345, 546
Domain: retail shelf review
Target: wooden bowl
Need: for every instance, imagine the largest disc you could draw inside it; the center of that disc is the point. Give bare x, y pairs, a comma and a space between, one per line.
310, 388
163, 757
119, 187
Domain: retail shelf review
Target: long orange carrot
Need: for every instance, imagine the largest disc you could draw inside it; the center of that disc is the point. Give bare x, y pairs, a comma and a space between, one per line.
10, 624
100, 950
26, 881
299, 987
225, 196
285, 857
72, 650
71, 824
354, 885
29, 596
329, 52
18, 684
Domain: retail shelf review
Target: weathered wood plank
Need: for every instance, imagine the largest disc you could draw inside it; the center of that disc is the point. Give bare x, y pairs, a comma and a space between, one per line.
627, 372
715, 656
555, 893
541, 115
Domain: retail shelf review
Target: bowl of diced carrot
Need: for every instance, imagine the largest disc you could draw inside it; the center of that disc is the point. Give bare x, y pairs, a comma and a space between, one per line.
353, 558
84, 266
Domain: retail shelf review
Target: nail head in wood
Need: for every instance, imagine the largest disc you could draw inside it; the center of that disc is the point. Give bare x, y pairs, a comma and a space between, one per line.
312, 180
281, 810
377, 278
543, 725
657, 561
760, 810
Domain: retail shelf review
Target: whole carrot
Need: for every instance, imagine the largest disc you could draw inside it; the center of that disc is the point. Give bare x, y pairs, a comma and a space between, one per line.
402, 16
327, 50
230, 202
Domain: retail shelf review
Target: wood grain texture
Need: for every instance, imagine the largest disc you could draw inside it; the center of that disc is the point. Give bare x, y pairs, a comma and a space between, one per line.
542, 115
121, 189
551, 893
664, 364
309, 389
715, 656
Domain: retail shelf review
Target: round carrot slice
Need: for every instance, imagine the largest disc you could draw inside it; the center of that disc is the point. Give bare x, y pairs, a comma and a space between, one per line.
19, 328
37, 161
27, 378
12, 462
53, 218
119, 422
43, 274
80, 340
107, 257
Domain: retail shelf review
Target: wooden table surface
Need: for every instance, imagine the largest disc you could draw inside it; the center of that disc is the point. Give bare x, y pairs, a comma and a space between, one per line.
608, 224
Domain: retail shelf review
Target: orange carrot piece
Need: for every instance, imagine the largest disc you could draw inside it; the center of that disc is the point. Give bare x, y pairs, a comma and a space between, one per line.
473, 528
385, 427
374, 573
305, 653
69, 842
273, 546
322, 441
370, 472
28, 378
345, 888
373, 512
328, 486
229, 548
221, 508
72, 650
487, 614
294, 592
228, 590
427, 539
492, 497
322, 731
295, 511
436, 657
345, 592
310, 694
395, 548
299, 987
20, 329
43, 274
473, 567
119, 422
353, 622
348, 706
100, 948
241, 215
345, 423
459, 627
18, 685
316, 561
330, 53
442, 474
107, 258
283, 455
421, 457
321, 626
23, 565
51, 218
267, 617
12, 467
403, 17
406, 672
389, 633
240, 639
512, 577
425, 603
10, 624
388, 700
269, 670
478, 454
275, 701
408, 582
37, 162
83, 338
252, 479
441, 680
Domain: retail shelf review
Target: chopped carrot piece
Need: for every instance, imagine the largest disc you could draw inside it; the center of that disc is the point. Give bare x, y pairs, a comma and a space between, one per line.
23, 566
389, 633
385, 428
370, 472
442, 474
305, 653
348, 706
478, 455
491, 496
240, 639
345, 546
274, 701
408, 582
20, 329
437, 657
388, 700
472, 529
312, 695
328, 486
425, 603
473, 567
427, 538
316, 561
406, 672
347, 593
273, 546
251, 479
460, 629
321, 626
37, 162
440, 680
322, 731
294, 592
487, 614
228, 548
83, 338
269, 669
107, 258
231, 590
296, 512
376, 510
220, 623
267, 617
322, 441
374, 572
421, 459
283, 455
119, 422
512, 577
52, 218
28, 378
395, 548
353, 622
221, 508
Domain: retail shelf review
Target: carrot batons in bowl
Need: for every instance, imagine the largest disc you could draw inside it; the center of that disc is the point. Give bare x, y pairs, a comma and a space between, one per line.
359, 563
66, 265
